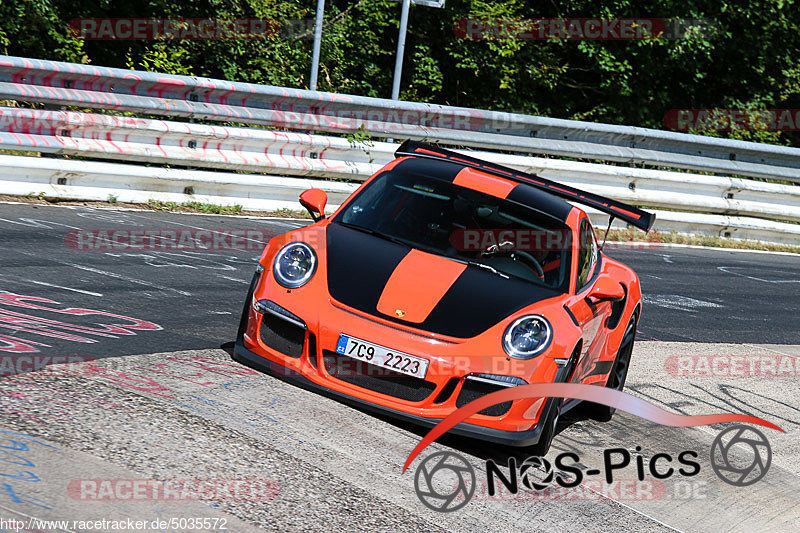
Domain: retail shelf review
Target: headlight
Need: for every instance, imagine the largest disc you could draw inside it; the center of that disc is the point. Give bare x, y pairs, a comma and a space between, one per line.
527, 337
294, 265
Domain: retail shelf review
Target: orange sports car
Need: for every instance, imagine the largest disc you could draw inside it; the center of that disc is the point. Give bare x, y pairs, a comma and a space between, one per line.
441, 279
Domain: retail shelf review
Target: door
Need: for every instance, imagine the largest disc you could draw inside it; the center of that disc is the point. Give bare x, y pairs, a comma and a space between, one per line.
590, 316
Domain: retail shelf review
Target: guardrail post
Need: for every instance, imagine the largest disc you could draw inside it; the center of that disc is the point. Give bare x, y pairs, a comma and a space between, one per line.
401, 48
312, 84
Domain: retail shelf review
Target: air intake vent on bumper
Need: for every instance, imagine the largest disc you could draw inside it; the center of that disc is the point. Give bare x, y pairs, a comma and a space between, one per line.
282, 335
474, 389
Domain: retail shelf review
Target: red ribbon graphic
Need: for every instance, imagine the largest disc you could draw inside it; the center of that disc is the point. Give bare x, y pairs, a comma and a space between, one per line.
593, 393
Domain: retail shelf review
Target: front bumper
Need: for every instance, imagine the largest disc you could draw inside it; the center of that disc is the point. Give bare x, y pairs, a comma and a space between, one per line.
266, 363
509, 438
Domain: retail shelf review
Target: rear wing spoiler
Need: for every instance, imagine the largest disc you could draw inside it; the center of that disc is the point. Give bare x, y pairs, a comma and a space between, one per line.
632, 215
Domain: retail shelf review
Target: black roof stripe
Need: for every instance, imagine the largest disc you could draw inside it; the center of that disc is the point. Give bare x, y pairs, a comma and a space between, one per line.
540, 200
522, 193
630, 214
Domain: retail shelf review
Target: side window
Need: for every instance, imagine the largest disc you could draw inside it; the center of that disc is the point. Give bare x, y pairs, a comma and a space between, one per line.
587, 254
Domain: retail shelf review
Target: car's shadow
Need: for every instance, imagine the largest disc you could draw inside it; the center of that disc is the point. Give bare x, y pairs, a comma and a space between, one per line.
228, 347
484, 450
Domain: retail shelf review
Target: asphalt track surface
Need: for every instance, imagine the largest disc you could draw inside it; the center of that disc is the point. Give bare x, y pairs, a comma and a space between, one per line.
170, 404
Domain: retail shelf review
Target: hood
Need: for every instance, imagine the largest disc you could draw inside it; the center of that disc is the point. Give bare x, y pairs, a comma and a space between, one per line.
421, 290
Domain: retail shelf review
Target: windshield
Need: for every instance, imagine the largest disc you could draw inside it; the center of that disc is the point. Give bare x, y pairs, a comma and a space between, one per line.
436, 216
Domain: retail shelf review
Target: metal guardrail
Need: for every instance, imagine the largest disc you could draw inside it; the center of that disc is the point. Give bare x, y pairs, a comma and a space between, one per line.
255, 150
707, 203
93, 180
68, 179
181, 143
217, 100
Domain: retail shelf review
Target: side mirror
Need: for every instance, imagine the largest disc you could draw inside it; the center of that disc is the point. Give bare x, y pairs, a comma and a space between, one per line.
314, 200
606, 289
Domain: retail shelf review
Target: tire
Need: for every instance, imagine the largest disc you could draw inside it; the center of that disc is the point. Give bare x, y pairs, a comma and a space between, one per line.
246, 308
619, 372
541, 448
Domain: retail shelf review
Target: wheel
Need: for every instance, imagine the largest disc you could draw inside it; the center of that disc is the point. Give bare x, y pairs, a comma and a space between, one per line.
616, 379
541, 448
246, 308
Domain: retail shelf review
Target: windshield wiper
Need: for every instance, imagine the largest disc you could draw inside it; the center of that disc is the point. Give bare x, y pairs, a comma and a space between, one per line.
483, 266
376, 233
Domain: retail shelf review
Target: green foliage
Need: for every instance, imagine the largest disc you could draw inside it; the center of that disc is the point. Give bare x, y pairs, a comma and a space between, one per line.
163, 206
213, 208
162, 57
360, 136
195, 207
749, 61
39, 28
285, 212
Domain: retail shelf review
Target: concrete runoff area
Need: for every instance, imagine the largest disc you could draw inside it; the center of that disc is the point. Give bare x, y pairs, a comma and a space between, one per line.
198, 415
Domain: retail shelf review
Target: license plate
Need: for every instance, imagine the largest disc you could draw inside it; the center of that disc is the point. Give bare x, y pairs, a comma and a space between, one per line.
373, 354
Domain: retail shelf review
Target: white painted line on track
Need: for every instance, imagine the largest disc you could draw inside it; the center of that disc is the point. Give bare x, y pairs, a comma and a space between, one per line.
37, 223
90, 293
126, 278
114, 275
233, 279
771, 349
676, 301
637, 511
727, 270
21, 280
647, 246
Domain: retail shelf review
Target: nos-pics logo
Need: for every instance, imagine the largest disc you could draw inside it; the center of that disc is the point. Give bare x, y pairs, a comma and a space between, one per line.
445, 481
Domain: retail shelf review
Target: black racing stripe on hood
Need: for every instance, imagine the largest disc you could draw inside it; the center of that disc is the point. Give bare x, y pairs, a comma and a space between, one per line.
478, 300
359, 265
